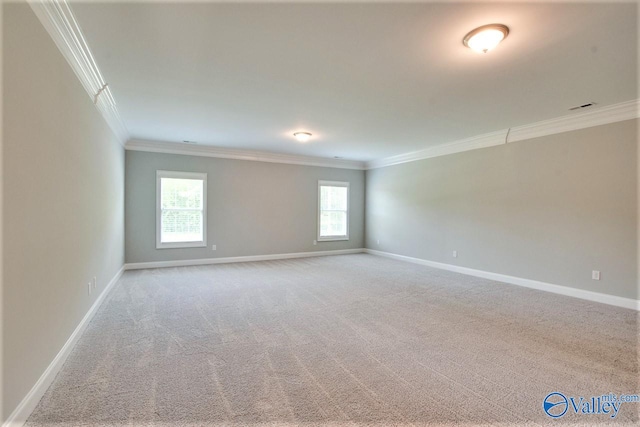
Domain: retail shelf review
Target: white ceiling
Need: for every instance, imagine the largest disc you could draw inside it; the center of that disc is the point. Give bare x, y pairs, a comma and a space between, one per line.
368, 80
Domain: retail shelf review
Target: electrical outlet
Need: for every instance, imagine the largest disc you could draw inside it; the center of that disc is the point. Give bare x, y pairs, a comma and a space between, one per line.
455, 254
315, 242
213, 247
595, 275
378, 241
89, 288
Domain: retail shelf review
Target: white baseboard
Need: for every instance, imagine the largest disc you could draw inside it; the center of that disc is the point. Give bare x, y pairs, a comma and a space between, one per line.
533, 284
207, 261
20, 415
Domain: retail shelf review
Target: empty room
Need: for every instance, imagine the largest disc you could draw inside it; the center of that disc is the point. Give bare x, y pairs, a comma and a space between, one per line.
319, 213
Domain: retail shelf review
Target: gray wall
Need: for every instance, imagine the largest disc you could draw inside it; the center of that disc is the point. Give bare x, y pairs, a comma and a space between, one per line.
63, 185
550, 209
254, 208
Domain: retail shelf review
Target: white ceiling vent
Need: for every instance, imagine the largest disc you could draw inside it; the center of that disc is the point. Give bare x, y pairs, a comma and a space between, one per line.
580, 107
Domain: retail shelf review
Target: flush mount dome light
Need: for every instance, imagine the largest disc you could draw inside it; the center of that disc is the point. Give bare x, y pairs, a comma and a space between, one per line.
302, 136
485, 38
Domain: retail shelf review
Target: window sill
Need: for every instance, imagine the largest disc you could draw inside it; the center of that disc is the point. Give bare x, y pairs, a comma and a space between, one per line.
332, 238
180, 245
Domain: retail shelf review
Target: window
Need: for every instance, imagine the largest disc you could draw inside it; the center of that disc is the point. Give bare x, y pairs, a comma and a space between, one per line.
181, 209
333, 210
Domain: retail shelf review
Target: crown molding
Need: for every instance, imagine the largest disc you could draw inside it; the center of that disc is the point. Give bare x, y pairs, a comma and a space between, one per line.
230, 153
473, 143
584, 119
604, 115
60, 23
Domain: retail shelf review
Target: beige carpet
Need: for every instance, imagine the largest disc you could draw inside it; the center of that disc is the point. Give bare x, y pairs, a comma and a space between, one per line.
347, 340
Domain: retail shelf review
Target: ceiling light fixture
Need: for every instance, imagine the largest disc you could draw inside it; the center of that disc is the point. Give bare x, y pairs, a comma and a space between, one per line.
485, 38
302, 136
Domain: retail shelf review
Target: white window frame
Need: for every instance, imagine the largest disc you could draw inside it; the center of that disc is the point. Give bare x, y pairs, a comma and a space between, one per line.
332, 184
180, 175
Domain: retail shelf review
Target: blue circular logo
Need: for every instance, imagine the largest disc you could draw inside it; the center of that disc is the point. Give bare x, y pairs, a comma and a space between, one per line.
555, 404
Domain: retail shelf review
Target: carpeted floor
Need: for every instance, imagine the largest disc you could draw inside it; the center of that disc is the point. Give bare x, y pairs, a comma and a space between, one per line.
349, 340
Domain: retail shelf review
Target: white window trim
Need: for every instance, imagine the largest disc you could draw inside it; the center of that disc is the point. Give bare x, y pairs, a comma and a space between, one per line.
180, 175
333, 184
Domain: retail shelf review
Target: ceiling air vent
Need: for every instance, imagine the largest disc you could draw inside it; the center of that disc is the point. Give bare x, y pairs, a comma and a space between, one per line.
580, 107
